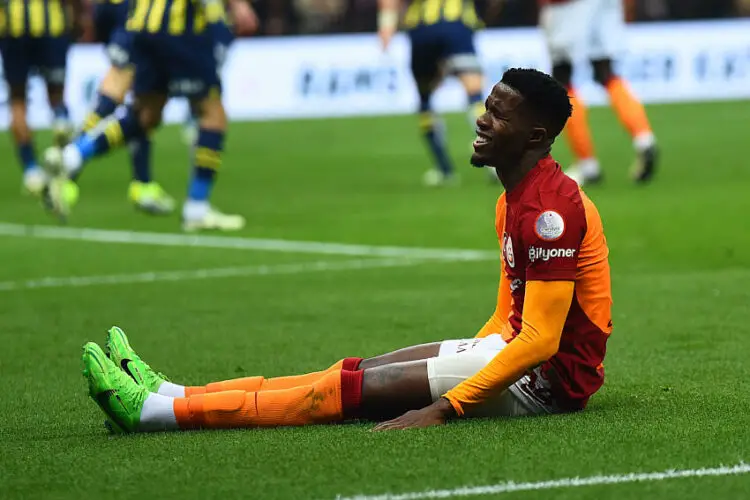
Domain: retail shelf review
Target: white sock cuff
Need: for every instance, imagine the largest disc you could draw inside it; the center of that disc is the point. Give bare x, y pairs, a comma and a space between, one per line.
158, 414
589, 167
171, 390
643, 141
193, 209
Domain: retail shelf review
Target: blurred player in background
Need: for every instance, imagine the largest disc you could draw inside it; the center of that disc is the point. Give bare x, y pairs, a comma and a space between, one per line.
540, 352
442, 43
110, 17
34, 37
109, 23
594, 30
244, 22
176, 48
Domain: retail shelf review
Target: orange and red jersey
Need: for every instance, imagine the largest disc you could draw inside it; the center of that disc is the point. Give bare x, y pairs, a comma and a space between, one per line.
550, 234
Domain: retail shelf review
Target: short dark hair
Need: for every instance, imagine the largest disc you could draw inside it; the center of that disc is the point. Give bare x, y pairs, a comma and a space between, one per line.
544, 96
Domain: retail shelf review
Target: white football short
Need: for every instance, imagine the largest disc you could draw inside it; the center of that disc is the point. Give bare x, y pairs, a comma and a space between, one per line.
583, 29
458, 360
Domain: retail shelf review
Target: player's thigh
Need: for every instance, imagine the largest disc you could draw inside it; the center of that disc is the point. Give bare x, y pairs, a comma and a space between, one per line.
608, 35
117, 82
193, 67
16, 56
491, 343
211, 112
459, 54
52, 59
151, 71
567, 29
458, 360
425, 59
150, 107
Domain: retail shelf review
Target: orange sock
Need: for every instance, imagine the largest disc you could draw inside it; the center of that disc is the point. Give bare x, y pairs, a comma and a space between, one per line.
332, 398
577, 130
259, 383
628, 108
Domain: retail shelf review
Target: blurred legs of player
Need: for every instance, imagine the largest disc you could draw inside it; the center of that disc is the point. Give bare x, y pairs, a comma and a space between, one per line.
145, 194
445, 48
595, 30
138, 399
48, 55
197, 213
164, 66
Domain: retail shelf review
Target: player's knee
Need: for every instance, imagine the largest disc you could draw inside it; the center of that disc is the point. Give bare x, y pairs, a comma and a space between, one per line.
149, 117
563, 73
148, 109
212, 114
446, 372
603, 71
116, 83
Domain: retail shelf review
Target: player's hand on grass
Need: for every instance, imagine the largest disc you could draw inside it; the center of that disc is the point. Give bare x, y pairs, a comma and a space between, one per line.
435, 414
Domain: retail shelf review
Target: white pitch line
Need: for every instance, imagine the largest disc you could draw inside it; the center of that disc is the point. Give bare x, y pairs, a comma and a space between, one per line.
187, 240
199, 274
573, 482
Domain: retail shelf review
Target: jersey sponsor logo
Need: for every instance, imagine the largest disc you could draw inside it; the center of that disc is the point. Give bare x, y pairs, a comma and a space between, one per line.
508, 250
546, 254
516, 284
549, 226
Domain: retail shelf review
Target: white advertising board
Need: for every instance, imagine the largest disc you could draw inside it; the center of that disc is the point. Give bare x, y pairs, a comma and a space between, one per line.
340, 75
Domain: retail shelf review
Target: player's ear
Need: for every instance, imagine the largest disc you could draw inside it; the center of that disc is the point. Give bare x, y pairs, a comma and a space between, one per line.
538, 135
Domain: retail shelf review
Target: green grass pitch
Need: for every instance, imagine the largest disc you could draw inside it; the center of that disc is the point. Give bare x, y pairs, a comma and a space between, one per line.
676, 397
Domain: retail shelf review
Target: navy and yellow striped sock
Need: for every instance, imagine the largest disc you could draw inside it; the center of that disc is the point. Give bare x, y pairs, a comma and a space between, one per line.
207, 160
113, 135
105, 106
433, 131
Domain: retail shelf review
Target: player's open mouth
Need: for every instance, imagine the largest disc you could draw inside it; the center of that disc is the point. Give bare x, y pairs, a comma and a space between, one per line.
481, 140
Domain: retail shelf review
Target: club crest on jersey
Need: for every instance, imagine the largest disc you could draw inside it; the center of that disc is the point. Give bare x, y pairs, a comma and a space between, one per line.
508, 250
549, 226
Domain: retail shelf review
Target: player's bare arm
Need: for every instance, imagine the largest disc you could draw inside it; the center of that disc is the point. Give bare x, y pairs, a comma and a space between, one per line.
244, 19
388, 14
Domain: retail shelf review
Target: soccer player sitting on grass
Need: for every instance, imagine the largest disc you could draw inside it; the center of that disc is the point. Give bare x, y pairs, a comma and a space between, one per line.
540, 352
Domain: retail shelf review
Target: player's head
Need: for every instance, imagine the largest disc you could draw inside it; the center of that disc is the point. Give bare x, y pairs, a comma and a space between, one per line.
525, 112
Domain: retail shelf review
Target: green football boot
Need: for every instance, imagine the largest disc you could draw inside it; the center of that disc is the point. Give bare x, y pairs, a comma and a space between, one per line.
119, 351
117, 395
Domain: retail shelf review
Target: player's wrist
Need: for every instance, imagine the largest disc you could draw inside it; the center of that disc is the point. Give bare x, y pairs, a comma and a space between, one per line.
445, 407
387, 19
